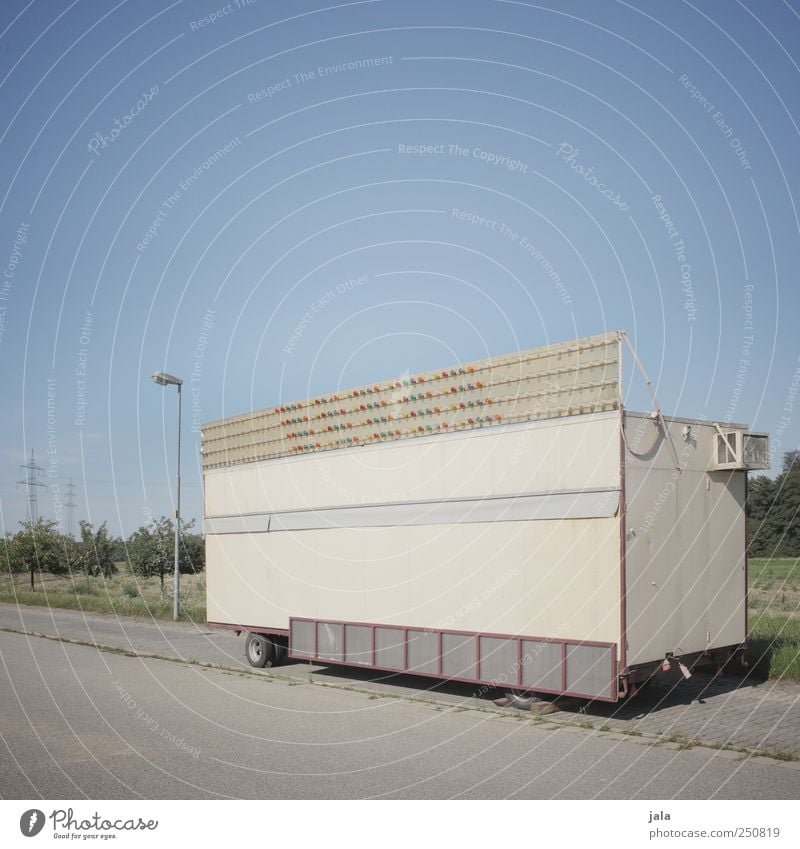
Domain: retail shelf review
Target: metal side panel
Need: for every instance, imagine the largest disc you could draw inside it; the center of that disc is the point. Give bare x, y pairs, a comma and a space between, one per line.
594, 504
330, 641
301, 634
541, 664
358, 644
547, 665
588, 669
390, 648
423, 652
499, 660
459, 652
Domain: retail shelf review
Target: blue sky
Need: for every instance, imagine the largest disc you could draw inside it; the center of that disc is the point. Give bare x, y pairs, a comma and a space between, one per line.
273, 199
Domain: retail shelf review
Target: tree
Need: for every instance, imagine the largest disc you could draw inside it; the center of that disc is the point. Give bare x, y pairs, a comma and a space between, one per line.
773, 511
151, 550
98, 550
118, 549
6, 551
75, 555
38, 547
192, 550
785, 515
760, 530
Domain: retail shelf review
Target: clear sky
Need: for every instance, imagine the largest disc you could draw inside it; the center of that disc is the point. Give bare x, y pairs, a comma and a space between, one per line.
274, 199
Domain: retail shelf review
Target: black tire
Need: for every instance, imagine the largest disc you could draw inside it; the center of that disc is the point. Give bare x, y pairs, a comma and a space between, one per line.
259, 650
281, 648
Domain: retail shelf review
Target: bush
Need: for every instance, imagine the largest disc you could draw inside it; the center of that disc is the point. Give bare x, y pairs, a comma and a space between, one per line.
85, 587
130, 589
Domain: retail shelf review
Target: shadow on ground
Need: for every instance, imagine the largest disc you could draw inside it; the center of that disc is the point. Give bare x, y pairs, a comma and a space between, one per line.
665, 692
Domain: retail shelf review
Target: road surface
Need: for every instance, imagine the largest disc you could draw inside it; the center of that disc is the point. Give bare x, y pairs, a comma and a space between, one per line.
79, 721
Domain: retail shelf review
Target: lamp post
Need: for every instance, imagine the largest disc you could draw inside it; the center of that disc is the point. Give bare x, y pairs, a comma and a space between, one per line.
164, 379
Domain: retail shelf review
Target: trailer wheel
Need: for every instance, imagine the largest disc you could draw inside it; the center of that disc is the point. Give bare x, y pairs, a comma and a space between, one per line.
281, 649
259, 650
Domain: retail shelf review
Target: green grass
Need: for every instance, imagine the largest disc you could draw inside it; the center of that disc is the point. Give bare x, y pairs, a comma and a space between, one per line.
123, 594
767, 572
774, 646
774, 608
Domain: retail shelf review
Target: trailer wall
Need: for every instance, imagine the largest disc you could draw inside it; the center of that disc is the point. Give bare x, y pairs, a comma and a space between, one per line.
511, 530
685, 543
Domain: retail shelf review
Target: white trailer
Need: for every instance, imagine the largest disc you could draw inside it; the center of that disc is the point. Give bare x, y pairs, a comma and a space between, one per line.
505, 522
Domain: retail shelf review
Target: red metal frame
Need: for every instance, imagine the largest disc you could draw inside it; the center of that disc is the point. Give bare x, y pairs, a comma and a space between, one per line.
518, 684
642, 671
746, 563
623, 609
255, 629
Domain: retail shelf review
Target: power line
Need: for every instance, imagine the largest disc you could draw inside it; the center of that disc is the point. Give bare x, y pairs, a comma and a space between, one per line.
32, 472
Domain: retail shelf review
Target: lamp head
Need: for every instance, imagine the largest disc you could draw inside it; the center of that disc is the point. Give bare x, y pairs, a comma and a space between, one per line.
164, 379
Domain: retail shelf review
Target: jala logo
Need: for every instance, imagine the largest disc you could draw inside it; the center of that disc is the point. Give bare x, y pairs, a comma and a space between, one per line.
31, 822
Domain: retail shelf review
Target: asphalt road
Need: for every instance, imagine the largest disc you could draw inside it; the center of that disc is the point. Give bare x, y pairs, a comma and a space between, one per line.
81, 722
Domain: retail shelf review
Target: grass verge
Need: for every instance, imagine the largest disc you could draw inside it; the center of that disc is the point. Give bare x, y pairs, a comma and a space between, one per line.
774, 646
123, 594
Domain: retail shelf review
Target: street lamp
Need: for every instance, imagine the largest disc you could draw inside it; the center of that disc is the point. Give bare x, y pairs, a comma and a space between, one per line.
164, 379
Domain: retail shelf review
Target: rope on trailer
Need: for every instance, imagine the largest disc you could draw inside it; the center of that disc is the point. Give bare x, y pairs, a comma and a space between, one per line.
656, 408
